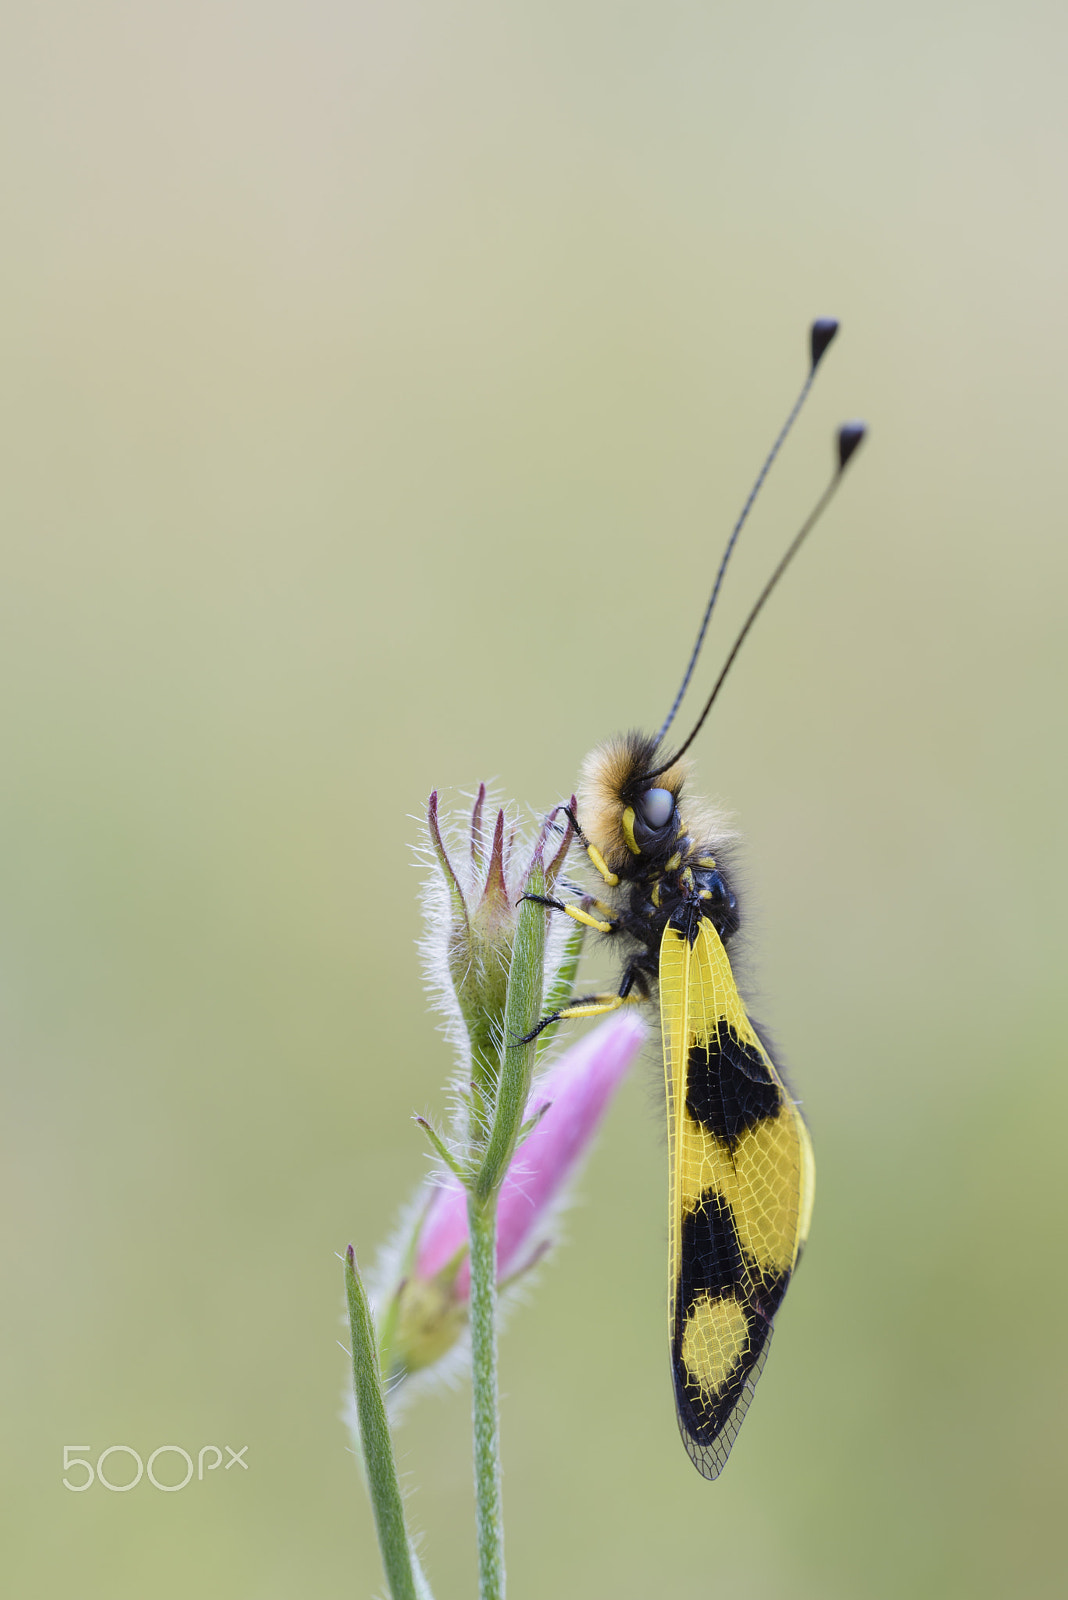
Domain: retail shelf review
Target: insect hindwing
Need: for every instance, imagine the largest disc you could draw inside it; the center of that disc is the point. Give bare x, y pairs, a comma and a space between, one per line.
742, 1181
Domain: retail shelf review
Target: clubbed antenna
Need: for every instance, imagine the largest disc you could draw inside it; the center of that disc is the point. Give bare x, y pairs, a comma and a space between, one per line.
847, 440
821, 333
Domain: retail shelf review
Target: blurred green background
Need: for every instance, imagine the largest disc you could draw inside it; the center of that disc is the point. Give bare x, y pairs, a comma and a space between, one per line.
379, 384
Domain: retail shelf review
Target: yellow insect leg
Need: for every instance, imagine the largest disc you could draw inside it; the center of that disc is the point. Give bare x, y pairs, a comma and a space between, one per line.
602, 866
599, 1005
588, 921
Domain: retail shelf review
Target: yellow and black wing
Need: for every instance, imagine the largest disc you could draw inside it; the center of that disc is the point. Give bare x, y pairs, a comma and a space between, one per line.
742, 1182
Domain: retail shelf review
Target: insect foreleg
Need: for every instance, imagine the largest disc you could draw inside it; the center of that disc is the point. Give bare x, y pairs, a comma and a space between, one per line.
579, 914
591, 850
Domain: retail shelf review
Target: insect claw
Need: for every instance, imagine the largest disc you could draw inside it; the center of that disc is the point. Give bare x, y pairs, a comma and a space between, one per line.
542, 900
528, 1038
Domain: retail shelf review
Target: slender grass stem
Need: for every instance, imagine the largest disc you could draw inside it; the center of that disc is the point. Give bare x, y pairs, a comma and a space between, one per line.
377, 1443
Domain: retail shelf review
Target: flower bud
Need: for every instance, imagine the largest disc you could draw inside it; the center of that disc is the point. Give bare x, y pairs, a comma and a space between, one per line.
471, 916
480, 928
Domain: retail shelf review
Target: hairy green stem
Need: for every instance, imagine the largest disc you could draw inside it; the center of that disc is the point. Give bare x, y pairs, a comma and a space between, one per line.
522, 1010
482, 1226
377, 1443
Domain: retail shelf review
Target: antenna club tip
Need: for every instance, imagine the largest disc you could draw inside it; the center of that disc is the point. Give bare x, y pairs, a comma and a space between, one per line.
850, 436
822, 332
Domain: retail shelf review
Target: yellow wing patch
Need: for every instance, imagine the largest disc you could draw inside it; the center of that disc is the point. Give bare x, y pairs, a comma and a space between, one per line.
742, 1182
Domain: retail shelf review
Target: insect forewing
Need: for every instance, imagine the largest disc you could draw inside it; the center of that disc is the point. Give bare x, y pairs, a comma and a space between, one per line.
741, 1189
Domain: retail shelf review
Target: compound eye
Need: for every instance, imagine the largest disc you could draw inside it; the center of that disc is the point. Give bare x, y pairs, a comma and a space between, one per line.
657, 806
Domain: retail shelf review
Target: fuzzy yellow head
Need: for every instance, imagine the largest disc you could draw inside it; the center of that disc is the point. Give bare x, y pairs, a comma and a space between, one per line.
610, 782
612, 779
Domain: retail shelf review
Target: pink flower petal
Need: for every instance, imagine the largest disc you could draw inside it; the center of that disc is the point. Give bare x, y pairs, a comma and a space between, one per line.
577, 1091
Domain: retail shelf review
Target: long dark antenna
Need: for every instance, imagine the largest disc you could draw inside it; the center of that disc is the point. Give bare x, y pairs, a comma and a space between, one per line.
849, 437
821, 333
